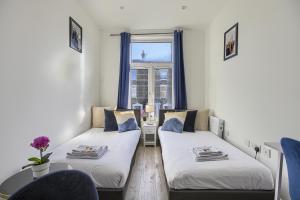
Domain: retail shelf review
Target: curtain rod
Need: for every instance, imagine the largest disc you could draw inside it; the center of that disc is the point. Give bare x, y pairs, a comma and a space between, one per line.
166, 33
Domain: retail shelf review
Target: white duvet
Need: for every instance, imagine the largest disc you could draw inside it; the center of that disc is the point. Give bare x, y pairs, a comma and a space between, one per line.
111, 170
240, 172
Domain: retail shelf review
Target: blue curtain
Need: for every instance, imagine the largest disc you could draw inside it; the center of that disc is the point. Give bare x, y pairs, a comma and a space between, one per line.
179, 77
124, 71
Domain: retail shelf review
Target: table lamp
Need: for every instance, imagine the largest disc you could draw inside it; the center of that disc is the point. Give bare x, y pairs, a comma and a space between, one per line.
150, 109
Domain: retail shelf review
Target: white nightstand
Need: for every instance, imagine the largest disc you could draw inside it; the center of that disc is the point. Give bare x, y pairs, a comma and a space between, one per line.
149, 133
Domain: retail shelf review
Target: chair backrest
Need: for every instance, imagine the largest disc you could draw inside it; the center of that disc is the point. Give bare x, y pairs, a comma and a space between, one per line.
291, 149
61, 185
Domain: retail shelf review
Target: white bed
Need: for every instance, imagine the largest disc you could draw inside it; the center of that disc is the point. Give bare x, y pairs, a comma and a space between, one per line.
110, 171
240, 172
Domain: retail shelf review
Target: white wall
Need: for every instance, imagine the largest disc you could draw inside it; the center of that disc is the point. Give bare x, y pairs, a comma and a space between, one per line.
193, 42
46, 87
256, 92
109, 66
194, 45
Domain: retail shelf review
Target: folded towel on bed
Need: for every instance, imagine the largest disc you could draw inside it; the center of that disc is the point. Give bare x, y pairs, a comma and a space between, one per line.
207, 153
86, 149
87, 152
215, 158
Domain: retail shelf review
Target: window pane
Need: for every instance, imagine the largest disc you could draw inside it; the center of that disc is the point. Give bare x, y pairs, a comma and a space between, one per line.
139, 88
163, 89
142, 52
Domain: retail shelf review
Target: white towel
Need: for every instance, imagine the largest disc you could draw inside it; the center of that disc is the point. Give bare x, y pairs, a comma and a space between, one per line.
214, 158
88, 154
85, 149
207, 153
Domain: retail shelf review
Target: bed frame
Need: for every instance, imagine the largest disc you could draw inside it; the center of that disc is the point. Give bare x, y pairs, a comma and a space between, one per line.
216, 125
201, 194
117, 193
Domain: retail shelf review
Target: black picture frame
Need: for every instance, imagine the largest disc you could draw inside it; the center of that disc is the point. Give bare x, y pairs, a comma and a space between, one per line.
231, 42
75, 35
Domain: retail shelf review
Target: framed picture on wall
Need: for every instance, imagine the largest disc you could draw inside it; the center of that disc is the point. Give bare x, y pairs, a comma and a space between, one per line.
231, 42
75, 35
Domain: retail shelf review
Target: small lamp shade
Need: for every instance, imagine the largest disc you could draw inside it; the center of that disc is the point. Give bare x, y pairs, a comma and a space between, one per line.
149, 108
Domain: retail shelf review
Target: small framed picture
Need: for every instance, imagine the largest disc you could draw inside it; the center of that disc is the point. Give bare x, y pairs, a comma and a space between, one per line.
75, 35
231, 42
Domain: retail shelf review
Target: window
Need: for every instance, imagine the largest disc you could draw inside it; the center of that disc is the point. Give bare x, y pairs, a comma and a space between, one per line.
157, 52
151, 78
163, 88
139, 86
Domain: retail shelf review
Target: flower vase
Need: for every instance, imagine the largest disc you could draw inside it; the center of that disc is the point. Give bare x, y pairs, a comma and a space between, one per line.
40, 170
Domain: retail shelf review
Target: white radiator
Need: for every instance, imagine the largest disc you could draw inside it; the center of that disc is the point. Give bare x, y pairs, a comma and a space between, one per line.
216, 125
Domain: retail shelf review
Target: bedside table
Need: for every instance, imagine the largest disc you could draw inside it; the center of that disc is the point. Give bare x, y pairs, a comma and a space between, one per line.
149, 133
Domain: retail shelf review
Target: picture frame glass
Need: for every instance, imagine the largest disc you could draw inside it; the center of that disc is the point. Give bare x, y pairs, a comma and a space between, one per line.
231, 42
75, 35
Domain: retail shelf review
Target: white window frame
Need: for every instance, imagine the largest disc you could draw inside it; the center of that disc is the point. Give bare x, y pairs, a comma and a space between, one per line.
152, 66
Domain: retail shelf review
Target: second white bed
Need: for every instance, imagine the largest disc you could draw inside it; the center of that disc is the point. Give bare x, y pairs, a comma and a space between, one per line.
240, 172
110, 171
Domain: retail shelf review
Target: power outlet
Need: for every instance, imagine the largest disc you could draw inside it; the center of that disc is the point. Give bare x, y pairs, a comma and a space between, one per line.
253, 145
266, 152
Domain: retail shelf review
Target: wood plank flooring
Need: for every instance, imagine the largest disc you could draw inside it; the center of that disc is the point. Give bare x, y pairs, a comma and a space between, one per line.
147, 180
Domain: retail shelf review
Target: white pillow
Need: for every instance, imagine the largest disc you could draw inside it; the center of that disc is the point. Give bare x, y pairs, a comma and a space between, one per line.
178, 115
201, 122
98, 116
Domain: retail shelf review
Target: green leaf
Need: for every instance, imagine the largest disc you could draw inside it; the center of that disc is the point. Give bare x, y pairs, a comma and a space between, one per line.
47, 155
35, 159
45, 161
27, 166
45, 158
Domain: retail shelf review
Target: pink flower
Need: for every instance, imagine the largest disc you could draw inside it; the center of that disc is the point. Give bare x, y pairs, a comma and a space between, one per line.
40, 143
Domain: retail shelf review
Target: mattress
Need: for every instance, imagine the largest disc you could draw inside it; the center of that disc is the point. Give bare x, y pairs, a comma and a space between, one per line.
111, 170
240, 172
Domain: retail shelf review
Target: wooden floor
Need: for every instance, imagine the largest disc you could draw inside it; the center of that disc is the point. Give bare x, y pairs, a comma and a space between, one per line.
147, 180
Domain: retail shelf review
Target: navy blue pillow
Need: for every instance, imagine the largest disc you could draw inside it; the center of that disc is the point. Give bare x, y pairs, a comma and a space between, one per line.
110, 122
189, 123
173, 125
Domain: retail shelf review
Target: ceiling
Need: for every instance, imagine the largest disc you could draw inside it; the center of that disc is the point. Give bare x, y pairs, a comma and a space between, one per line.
152, 14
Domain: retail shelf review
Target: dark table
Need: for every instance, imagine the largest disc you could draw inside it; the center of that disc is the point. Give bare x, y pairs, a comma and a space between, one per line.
22, 178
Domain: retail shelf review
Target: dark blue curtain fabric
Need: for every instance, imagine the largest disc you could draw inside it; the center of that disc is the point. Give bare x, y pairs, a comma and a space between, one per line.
291, 149
124, 71
179, 77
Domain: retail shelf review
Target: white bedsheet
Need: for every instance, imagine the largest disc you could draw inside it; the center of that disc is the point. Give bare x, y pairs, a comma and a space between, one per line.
112, 169
240, 172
